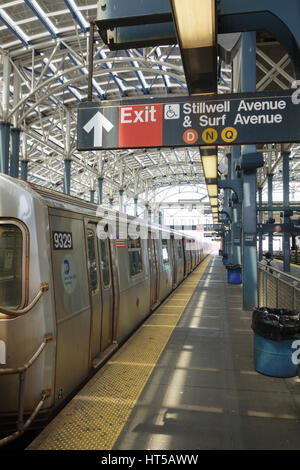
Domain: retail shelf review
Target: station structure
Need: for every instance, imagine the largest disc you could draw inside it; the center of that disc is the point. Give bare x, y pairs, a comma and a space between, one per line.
186, 114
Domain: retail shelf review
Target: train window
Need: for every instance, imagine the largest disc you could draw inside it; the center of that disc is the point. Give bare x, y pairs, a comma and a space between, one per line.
135, 256
105, 266
92, 262
11, 247
165, 252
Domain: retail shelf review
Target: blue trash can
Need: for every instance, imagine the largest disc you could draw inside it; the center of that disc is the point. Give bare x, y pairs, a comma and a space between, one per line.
275, 331
274, 358
234, 274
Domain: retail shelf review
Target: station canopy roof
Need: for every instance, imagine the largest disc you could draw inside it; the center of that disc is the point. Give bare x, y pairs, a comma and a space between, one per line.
46, 42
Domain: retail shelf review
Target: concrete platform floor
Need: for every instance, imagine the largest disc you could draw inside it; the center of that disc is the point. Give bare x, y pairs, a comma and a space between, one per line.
204, 392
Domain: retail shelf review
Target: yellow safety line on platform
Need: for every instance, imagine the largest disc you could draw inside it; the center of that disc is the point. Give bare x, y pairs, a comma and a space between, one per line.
96, 416
280, 261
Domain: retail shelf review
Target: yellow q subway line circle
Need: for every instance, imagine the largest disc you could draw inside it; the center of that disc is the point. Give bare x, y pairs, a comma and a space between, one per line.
229, 134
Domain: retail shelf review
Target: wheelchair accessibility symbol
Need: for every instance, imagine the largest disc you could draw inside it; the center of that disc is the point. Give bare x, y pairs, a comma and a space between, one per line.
172, 111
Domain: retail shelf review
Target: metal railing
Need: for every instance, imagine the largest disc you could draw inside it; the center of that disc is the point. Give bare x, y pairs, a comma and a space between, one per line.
277, 289
44, 287
21, 371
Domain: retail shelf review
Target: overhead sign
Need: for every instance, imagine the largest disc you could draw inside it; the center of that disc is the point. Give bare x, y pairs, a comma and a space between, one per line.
282, 228
213, 227
248, 118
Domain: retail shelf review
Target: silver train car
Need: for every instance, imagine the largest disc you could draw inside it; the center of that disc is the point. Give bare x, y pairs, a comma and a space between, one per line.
69, 295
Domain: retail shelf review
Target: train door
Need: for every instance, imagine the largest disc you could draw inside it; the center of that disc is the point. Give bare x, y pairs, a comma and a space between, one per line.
108, 297
95, 289
154, 273
72, 303
174, 281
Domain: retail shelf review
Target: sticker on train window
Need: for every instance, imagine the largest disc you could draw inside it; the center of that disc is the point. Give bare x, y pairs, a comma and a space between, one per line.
62, 240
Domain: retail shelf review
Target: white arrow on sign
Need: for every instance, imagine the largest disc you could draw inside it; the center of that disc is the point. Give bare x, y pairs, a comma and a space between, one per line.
98, 123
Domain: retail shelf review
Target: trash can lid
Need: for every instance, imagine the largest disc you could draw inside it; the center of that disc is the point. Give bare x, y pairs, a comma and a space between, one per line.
276, 323
233, 266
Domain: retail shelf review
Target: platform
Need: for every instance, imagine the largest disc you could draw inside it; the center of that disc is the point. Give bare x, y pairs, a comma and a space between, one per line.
185, 380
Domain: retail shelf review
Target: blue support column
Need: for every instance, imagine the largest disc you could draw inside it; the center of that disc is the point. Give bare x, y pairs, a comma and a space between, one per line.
286, 203
121, 192
160, 217
4, 147
223, 242
260, 217
15, 152
111, 202
236, 210
135, 207
100, 190
226, 240
67, 176
92, 195
270, 213
248, 66
24, 169
229, 244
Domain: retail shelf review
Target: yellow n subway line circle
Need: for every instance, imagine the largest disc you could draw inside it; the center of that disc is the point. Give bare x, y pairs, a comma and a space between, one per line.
210, 135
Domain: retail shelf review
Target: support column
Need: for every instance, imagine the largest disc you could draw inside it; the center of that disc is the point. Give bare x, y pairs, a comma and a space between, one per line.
286, 203
111, 202
4, 147
100, 190
67, 176
121, 193
92, 195
260, 220
67, 172
249, 236
236, 211
160, 218
227, 237
24, 159
248, 50
227, 205
24, 169
15, 151
227, 217
135, 207
270, 213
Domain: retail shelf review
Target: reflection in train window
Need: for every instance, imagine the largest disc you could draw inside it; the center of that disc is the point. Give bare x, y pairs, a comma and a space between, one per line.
11, 241
92, 263
165, 251
105, 266
135, 256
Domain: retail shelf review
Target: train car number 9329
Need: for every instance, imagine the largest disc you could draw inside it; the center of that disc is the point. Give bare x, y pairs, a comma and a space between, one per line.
62, 240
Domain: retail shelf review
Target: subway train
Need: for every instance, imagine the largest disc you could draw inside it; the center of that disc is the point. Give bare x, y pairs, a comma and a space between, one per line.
73, 286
